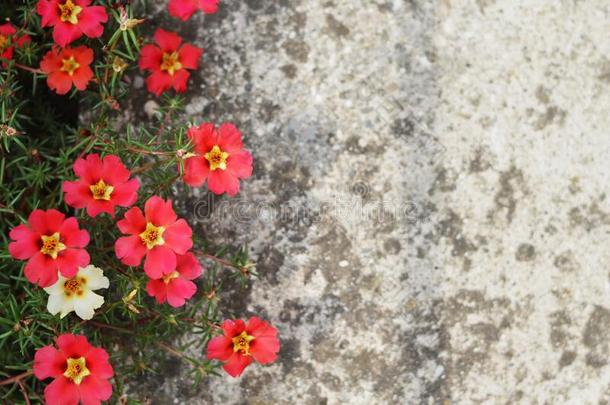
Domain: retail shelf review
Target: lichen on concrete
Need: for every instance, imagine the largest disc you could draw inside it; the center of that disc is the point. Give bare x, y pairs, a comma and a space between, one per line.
428, 209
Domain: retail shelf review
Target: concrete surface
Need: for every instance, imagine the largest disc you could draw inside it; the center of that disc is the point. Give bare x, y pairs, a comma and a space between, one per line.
429, 208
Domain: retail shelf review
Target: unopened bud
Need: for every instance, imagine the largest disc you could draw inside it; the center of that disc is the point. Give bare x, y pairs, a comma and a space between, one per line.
182, 154
172, 319
5, 130
132, 308
130, 296
126, 23
113, 103
118, 64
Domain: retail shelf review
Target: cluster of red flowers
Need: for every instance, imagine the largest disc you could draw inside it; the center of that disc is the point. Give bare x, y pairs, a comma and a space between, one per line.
8, 41
168, 62
55, 246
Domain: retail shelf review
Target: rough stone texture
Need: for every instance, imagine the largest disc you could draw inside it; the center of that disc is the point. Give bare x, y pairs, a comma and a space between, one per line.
428, 210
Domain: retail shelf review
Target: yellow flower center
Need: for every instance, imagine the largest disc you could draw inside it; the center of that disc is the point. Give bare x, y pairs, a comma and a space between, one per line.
76, 370
3, 41
170, 277
101, 190
69, 65
68, 12
51, 245
217, 158
74, 286
152, 236
171, 63
241, 343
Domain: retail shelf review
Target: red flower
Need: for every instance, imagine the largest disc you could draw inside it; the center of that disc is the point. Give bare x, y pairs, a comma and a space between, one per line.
72, 19
80, 371
184, 9
102, 184
168, 62
242, 342
67, 66
158, 235
221, 159
175, 287
8, 40
50, 243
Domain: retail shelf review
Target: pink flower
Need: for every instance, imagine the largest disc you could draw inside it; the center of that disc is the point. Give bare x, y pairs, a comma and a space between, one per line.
158, 234
184, 9
241, 342
72, 19
102, 185
169, 62
80, 371
50, 243
176, 287
221, 158
66, 67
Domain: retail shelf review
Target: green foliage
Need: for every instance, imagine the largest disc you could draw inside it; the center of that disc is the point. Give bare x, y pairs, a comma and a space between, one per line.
41, 135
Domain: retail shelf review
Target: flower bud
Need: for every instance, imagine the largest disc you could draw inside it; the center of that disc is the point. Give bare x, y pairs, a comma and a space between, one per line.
119, 65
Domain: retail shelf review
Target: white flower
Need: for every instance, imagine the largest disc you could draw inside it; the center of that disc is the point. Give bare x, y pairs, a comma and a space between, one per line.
76, 294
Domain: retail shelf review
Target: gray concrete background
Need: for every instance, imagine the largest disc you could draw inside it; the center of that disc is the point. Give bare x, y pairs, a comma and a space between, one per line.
429, 207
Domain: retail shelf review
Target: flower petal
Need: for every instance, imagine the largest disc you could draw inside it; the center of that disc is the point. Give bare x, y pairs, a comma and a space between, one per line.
203, 136
73, 345
151, 57
232, 328
77, 193
95, 277
168, 41
98, 363
196, 170
158, 82
61, 392
178, 237
41, 269
179, 290
189, 56
180, 79
159, 212
26, 242
221, 181
157, 289
93, 390
208, 6
133, 223
81, 77
69, 260
90, 21
239, 164
229, 138
236, 364
48, 11
160, 260
48, 362
182, 9
89, 169
220, 347
188, 266
126, 194
72, 236
65, 33
130, 250
86, 304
